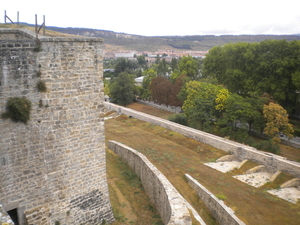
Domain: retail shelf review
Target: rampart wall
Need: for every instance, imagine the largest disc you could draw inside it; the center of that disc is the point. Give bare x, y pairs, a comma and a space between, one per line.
168, 202
222, 213
271, 161
53, 169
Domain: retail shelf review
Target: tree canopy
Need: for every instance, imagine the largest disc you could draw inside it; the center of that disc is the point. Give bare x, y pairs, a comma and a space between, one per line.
271, 67
123, 89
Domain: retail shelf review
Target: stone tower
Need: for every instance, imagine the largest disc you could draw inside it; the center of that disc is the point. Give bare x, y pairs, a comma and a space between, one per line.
52, 169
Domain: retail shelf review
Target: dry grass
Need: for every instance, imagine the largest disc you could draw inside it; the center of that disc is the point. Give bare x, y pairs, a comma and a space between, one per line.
285, 151
174, 155
49, 33
149, 110
130, 203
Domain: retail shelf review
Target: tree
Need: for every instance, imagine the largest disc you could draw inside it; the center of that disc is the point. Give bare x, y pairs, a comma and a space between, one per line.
176, 87
123, 89
161, 90
162, 68
148, 76
272, 66
141, 60
174, 64
188, 66
199, 104
277, 122
125, 65
235, 115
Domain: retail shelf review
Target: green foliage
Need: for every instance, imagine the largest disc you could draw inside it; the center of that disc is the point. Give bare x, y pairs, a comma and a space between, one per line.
179, 118
199, 99
125, 65
268, 67
57, 222
188, 66
297, 132
181, 46
37, 48
41, 86
17, 109
268, 145
123, 89
148, 76
163, 68
221, 197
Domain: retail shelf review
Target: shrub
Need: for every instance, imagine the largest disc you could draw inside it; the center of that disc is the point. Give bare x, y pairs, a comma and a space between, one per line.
37, 48
17, 109
41, 86
297, 132
179, 118
268, 145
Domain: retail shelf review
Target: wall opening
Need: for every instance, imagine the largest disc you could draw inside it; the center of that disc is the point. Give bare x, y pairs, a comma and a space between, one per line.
14, 216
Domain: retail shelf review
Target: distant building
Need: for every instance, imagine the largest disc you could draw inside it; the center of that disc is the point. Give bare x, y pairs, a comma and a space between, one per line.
129, 54
139, 80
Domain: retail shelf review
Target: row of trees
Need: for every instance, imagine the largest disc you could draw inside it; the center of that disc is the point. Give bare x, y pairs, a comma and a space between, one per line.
162, 81
270, 66
213, 108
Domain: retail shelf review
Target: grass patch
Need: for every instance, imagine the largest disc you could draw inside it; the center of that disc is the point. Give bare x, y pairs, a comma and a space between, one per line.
187, 156
221, 197
127, 194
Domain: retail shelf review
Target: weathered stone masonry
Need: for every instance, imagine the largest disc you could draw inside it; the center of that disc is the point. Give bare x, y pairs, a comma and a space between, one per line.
53, 168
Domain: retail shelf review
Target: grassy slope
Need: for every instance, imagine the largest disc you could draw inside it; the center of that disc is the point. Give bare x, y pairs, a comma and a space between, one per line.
175, 155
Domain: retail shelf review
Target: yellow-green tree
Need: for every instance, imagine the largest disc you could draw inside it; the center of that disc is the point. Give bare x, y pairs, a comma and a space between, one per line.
221, 98
277, 121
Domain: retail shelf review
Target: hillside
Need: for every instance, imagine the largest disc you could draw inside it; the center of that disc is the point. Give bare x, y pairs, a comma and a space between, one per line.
114, 41
117, 41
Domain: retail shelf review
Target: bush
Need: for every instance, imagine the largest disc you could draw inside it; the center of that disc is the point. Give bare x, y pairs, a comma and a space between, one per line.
269, 146
179, 118
296, 132
17, 109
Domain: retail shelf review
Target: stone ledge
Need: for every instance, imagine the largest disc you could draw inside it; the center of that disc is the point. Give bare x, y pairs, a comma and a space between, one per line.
223, 214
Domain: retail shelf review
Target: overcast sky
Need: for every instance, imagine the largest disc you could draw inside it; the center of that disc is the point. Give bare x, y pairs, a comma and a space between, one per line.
163, 17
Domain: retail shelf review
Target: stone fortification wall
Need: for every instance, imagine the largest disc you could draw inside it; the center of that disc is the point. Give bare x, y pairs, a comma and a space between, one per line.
271, 161
222, 213
167, 200
53, 168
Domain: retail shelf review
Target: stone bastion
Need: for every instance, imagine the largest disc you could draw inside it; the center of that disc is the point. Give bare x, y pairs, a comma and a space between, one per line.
52, 168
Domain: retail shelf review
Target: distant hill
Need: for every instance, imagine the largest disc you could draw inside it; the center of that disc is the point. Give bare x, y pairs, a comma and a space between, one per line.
114, 41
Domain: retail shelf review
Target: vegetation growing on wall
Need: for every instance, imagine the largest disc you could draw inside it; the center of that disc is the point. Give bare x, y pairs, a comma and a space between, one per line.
41, 86
17, 109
